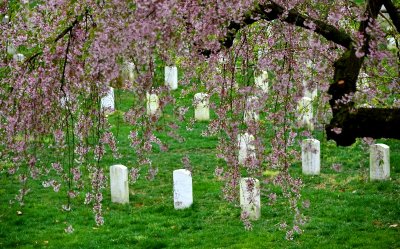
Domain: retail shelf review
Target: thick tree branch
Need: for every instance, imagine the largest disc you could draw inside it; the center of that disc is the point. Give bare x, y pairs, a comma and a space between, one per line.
364, 122
67, 30
393, 13
272, 11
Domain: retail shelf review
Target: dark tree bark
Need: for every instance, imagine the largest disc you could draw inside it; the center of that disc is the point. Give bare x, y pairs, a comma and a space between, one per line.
353, 123
362, 122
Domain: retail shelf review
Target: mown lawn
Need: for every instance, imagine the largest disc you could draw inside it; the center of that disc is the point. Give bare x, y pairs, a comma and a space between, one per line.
346, 210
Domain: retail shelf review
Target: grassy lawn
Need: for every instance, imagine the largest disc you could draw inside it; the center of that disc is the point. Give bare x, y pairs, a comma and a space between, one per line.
346, 210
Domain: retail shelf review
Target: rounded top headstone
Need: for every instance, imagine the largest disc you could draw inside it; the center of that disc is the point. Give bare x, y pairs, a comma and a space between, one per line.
382, 145
182, 171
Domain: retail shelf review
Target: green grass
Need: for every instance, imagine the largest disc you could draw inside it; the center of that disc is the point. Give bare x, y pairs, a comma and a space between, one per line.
346, 211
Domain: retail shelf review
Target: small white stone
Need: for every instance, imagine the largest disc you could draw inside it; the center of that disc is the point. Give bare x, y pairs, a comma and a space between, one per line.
305, 113
250, 200
171, 77
152, 104
183, 190
107, 102
202, 107
251, 112
311, 156
379, 162
246, 147
119, 184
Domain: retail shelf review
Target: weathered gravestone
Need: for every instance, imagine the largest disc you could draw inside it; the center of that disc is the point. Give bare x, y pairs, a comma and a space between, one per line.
379, 162
201, 109
183, 191
310, 156
250, 201
119, 184
171, 77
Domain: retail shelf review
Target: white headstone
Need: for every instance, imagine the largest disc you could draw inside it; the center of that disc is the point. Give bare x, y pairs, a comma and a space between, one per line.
18, 57
119, 184
250, 201
379, 162
202, 106
152, 104
311, 156
171, 77
305, 113
183, 191
261, 81
6, 19
251, 113
107, 102
246, 148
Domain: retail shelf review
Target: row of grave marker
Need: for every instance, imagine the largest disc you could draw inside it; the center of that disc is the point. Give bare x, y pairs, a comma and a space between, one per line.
250, 200
183, 190
379, 161
201, 100
202, 110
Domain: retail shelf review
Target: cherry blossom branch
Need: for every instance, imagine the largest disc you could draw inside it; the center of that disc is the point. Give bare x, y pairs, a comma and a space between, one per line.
67, 30
65, 63
74, 23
